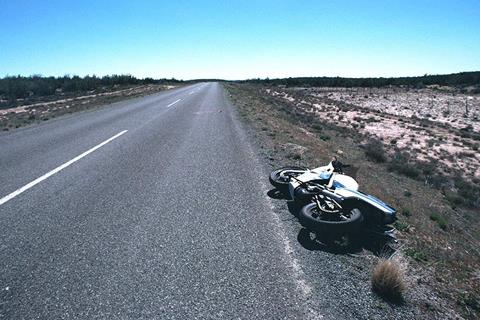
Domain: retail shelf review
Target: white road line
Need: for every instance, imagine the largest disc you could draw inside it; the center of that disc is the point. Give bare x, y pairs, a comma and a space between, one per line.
171, 104
51, 173
191, 92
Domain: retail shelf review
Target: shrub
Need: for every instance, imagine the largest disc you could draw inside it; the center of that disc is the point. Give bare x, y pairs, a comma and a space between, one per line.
441, 221
400, 163
468, 191
419, 256
374, 151
388, 278
401, 226
468, 299
454, 199
317, 126
406, 212
407, 194
438, 181
428, 168
325, 137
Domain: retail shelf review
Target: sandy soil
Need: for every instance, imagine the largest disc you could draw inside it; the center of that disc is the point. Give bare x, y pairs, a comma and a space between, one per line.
430, 125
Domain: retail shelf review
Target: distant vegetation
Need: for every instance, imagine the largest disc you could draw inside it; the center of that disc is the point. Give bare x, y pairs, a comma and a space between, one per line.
456, 80
19, 87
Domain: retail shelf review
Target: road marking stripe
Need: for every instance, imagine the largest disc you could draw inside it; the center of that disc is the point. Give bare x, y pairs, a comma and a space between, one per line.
51, 173
191, 92
171, 104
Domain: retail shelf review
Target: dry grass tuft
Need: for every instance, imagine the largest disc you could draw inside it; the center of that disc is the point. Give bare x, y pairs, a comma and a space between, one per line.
388, 278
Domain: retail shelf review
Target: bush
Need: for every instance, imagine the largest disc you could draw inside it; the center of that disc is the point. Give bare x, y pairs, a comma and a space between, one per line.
325, 137
468, 191
317, 126
400, 163
375, 152
388, 278
406, 212
419, 256
454, 199
428, 168
438, 181
401, 226
468, 299
441, 221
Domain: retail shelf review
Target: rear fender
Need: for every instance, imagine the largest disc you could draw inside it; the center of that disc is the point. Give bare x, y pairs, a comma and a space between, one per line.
371, 214
375, 211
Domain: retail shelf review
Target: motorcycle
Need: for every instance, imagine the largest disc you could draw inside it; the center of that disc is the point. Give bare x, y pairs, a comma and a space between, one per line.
331, 201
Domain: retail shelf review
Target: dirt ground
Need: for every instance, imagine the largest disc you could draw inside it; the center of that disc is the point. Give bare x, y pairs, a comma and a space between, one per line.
434, 126
440, 240
46, 108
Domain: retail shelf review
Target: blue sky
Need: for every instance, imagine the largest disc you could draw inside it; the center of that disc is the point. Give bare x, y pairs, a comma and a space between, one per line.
238, 39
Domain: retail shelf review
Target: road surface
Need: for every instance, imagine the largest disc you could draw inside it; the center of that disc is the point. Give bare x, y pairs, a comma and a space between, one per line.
149, 208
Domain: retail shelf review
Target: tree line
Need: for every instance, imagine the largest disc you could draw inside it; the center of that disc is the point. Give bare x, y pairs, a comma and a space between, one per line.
17, 87
461, 79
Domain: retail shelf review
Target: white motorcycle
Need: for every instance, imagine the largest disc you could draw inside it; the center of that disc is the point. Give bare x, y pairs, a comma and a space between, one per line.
332, 202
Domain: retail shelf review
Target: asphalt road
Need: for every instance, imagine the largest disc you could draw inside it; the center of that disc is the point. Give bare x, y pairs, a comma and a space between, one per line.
164, 217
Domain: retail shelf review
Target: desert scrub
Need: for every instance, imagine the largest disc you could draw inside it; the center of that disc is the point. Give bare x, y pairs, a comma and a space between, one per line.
470, 192
401, 226
388, 278
441, 221
416, 255
400, 164
374, 151
317, 127
470, 301
325, 137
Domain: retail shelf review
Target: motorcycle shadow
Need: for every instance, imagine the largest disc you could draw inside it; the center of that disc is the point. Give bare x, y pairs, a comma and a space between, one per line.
350, 244
277, 195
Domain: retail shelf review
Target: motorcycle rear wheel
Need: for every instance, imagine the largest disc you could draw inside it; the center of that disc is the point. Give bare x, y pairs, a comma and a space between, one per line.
325, 223
278, 181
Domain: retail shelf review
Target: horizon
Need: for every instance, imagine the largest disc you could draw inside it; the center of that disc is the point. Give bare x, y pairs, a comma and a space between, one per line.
238, 41
218, 79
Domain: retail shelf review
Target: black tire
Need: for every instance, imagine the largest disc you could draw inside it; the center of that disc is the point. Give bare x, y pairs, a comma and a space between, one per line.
279, 183
311, 220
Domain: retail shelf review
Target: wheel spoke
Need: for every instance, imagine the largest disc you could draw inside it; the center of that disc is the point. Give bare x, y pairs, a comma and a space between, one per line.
322, 214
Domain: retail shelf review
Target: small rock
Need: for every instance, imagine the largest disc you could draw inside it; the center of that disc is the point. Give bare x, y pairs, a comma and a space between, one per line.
295, 151
340, 152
